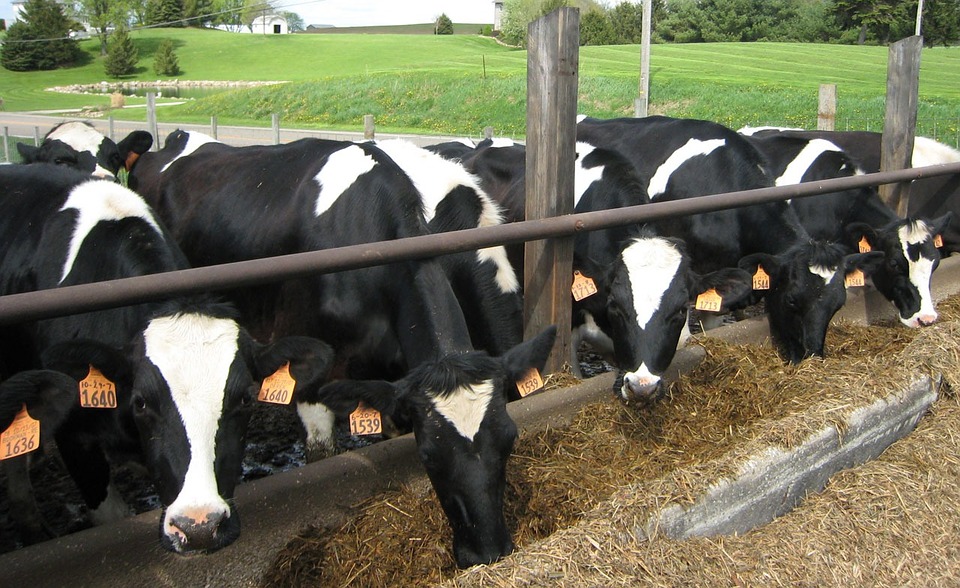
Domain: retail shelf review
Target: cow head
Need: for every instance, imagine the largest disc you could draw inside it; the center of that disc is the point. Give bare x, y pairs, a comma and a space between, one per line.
187, 383
457, 407
78, 145
642, 303
910, 259
807, 287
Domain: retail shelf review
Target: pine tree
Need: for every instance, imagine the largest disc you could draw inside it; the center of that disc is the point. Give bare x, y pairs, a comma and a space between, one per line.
165, 61
41, 40
121, 54
444, 25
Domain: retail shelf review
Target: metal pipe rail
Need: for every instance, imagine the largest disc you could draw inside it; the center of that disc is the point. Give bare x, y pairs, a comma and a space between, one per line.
53, 302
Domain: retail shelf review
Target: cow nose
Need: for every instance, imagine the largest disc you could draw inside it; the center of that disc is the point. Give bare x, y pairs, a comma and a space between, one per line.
926, 320
467, 557
641, 388
196, 531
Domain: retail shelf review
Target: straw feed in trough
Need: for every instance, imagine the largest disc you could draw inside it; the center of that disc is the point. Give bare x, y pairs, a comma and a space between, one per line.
575, 492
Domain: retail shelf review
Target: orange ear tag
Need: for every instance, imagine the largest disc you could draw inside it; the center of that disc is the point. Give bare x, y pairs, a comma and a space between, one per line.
583, 286
709, 301
277, 388
97, 391
761, 279
22, 436
864, 245
365, 421
938, 241
854, 278
530, 382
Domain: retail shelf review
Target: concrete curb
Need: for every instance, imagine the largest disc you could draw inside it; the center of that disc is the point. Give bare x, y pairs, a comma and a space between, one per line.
273, 509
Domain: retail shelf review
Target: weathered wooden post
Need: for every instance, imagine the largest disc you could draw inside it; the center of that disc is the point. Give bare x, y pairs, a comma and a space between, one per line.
368, 127
487, 132
110, 128
553, 62
213, 126
642, 103
275, 124
6, 144
900, 122
827, 108
36, 136
152, 120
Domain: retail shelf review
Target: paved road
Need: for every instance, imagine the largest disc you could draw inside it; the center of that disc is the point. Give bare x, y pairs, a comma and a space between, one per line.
29, 127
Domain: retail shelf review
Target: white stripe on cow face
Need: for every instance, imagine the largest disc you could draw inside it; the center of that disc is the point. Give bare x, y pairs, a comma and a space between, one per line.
584, 177
194, 141
824, 272
693, 148
795, 170
921, 271
466, 407
193, 354
651, 265
341, 170
97, 201
81, 137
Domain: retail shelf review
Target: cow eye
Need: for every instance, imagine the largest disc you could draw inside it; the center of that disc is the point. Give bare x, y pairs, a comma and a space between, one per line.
139, 403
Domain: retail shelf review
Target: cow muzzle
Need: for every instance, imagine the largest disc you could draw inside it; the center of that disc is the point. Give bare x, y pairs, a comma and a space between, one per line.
199, 529
638, 387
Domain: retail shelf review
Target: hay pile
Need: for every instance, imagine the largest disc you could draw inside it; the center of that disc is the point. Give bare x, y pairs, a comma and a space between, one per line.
573, 491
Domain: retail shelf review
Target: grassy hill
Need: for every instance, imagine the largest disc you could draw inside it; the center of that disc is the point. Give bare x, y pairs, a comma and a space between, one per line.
460, 84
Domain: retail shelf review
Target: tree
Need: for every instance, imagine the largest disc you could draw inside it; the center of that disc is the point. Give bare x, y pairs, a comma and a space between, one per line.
228, 14
198, 12
627, 21
102, 15
253, 9
294, 21
595, 28
168, 13
941, 22
41, 40
165, 61
443, 26
121, 54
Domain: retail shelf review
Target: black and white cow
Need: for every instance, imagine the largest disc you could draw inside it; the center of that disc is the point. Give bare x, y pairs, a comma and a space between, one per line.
683, 158
78, 145
234, 203
185, 372
644, 282
854, 215
929, 197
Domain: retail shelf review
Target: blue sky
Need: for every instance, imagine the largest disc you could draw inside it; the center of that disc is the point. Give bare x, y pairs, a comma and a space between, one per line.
346, 13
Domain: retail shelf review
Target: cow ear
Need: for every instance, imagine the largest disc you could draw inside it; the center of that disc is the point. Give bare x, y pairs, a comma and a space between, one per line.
940, 224
341, 397
855, 232
771, 264
733, 285
28, 153
588, 268
310, 361
529, 354
865, 262
138, 142
48, 395
74, 358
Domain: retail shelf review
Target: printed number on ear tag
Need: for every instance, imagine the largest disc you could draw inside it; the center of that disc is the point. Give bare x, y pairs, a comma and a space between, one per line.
938, 241
277, 388
530, 382
864, 245
761, 279
710, 301
97, 391
854, 278
582, 287
22, 436
365, 420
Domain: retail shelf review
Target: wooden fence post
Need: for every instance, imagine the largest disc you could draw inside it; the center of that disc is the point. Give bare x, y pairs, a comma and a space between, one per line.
900, 122
213, 126
369, 131
487, 132
6, 144
36, 136
552, 69
275, 123
110, 128
827, 108
152, 120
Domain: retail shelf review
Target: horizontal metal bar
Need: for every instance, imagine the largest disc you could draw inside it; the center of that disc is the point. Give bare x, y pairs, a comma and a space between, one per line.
53, 302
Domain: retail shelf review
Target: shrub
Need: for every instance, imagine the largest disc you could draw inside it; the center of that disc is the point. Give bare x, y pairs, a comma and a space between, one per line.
121, 54
165, 61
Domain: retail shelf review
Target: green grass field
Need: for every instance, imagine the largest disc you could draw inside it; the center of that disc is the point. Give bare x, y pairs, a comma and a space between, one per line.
459, 84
